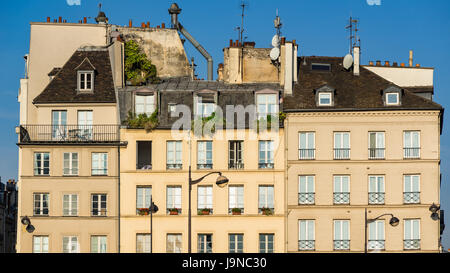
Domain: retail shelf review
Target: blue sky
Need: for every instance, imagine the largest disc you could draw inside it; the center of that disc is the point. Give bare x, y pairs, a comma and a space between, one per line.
388, 31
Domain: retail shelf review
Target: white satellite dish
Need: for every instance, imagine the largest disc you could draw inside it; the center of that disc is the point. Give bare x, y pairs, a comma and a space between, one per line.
274, 53
276, 41
348, 61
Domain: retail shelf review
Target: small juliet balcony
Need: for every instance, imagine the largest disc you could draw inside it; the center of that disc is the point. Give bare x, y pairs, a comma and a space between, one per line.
68, 134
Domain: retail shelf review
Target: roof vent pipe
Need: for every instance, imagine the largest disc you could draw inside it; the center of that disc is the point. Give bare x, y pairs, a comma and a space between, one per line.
174, 11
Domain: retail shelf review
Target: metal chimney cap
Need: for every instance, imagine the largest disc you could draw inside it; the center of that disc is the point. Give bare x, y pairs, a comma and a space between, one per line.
174, 9
101, 18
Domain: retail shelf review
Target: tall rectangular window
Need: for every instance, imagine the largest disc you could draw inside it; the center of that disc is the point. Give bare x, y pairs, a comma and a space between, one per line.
70, 164
85, 125
411, 191
85, 81
341, 145
40, 244
376, 235
306, 236
174, 152
98, 244
204, 105
376, 190
266, 202
376, 145
236, 199
204, 243
341, 189
205, 199
235, 243
99, 164
41, 163
59, 125
266, 243
204, 155
144, 104
98, 204
173, 199
70, 205
143, 243
173, 244
236, 160
41, 204
341, 235
70, 244
266, 105
306, 193
412, 234
306, 146
144, 155
266, 155
411, 142
143, 196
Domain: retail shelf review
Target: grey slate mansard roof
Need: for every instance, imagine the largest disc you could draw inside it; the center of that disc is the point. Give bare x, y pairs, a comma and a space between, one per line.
352, 93
63, 87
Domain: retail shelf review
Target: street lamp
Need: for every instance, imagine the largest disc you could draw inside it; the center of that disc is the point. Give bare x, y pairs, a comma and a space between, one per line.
153, 209
434, 211
27, 222
221, 182
394, 221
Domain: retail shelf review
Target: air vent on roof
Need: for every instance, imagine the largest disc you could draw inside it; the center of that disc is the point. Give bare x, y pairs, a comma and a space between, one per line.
321, 67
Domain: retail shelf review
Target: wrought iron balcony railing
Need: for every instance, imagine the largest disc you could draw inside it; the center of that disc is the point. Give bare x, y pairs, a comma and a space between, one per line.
376, 198
174, 166
236, 165
306, 154
143, 166
411, 197
341, 244
376, 244
341, 154
306, 245
207, 166
306, 198
69, 134
411, 153
376, 153
341, 198
266, 165
411, 244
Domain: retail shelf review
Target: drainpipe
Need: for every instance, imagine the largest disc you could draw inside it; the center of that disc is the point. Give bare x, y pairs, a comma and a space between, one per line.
118, 197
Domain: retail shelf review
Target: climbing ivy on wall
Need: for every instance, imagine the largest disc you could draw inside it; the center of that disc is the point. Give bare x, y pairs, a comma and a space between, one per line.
138, 68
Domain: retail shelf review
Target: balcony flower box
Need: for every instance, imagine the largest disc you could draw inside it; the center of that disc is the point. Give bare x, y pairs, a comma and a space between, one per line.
204, 211
143, 211
173, 211
266, 211
236, 211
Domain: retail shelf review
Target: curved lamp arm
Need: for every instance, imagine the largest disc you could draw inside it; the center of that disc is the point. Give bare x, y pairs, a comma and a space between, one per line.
374, 219
193, 182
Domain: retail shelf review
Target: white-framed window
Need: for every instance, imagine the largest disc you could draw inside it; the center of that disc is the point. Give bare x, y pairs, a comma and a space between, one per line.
411, 234
204, 105
376, 235
41, 163
85, 125
392, 99
235, 151
266, 198
41, 204
411, 189
266, 243
174, 154
267, 104
341, 186
98, 244
205, 197
85, 81
174, 243
143, 244
99, 204
306, 193
236, 198
143, 196
59, 125
376, 189
341, 145
40, 244
204, 155
306, 235
70, 205
172, 108
341, 235
306, 145
411, 142
376, 145
235, 243
204, 243
173, 198
266, 154
70, 164
70, 244
325, 99
144, 104
99, 163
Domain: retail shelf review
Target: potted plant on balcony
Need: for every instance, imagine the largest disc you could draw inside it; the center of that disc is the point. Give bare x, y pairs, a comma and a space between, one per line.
236, 211
143, 211
266, 211
204, 211
173, 211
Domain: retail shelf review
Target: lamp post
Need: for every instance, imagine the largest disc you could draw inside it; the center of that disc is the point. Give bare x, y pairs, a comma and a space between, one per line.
394, 221
221, 181
153, 209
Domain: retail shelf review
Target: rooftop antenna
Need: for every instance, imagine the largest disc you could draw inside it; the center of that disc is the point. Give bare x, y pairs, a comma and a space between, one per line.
241, 29
354, 38
276, 41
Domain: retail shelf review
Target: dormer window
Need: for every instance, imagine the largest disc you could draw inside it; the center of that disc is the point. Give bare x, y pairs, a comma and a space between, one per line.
85, 81
325, 99
205, 104
325, 96
144, 104
392, 99
392, 96
321, 67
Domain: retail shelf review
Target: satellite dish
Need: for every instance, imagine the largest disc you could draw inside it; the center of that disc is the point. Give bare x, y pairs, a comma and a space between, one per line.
275, 53
276, 41
348, 61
